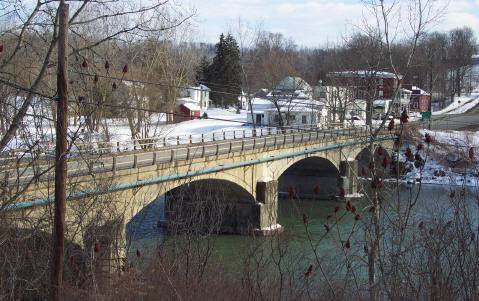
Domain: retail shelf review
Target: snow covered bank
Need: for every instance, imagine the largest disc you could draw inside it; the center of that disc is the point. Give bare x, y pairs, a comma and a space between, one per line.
447, 160
460, 105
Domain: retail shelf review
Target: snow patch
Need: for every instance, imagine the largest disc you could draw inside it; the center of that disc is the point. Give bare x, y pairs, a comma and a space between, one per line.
460, 105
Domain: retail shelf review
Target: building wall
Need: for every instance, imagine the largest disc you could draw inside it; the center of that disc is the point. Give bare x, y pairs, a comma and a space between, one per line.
201, 97
416, 99
253, 118
299, 118
384, 86
185, 114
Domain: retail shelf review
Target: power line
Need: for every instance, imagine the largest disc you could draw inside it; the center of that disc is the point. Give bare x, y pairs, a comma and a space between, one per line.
285, 102
144, 82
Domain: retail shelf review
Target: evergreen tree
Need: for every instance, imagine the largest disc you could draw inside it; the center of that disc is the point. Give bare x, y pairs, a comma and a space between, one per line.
224, 74
202, 71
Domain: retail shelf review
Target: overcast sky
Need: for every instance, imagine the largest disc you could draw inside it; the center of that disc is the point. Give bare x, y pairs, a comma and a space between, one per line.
308, 22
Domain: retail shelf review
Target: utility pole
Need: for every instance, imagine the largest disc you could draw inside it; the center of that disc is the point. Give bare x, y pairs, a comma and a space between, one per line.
60, 156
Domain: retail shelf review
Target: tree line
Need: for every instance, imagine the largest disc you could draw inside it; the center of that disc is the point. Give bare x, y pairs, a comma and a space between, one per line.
441, 64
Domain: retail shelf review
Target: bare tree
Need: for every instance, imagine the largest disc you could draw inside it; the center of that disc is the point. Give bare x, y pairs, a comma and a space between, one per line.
122, 18
462, 46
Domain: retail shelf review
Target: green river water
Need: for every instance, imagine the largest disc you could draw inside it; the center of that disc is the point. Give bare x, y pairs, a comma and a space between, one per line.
432, 200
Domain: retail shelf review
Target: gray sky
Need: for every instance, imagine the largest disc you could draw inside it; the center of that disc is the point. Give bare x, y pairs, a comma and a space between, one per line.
308, 22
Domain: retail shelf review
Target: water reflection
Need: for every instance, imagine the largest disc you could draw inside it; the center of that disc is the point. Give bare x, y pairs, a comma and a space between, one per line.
431, 202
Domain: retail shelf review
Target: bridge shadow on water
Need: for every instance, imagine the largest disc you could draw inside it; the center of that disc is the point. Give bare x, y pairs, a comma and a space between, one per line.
201, 207
310, 178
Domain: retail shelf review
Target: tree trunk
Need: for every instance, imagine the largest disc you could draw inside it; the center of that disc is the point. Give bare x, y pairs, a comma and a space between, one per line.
458, 82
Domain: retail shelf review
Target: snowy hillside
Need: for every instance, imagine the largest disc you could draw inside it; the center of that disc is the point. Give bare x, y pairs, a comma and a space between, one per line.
460, 105
446, 161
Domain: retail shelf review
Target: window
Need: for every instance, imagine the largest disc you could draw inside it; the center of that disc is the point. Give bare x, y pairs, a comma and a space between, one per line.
276, 118
303, 119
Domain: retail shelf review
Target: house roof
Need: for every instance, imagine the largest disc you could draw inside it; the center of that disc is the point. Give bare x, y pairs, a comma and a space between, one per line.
292, 83
183, 100
294, 109
200, 87
191, 107
204, 88
299, 105
363, 74
261, 93
418, 91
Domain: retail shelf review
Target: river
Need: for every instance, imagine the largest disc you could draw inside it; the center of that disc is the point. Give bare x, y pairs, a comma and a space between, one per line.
433, 202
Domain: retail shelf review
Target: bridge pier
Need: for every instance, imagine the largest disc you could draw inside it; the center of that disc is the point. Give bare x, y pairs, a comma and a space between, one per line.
348, 176
105, 245
266, 213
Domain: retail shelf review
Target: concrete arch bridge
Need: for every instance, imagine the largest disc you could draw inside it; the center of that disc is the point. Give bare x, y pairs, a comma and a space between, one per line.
245, 173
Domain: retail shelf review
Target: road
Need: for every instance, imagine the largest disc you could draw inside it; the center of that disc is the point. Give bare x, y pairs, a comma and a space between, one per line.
118, 161
457, 122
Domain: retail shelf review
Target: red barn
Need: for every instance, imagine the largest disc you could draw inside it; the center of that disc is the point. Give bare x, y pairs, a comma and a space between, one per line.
187, 111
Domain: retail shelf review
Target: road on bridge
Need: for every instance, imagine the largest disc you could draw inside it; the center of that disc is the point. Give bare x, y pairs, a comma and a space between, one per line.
97, 163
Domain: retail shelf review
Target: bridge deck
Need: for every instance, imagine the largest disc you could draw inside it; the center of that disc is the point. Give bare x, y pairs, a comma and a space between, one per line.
97, 163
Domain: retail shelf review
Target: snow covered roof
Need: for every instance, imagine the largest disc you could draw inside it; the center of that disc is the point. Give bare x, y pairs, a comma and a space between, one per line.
183, 100
191, 107
301, 102
204, 88
260, 104
261, 101
295, 109
363, 73
418, 91
299, 105
200, 87
261, 93
292, 83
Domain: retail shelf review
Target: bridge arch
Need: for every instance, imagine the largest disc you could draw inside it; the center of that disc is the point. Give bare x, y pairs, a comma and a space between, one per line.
205, 205
311, 177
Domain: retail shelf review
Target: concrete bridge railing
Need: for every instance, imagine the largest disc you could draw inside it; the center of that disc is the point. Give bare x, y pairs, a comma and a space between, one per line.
96, 163
83, 146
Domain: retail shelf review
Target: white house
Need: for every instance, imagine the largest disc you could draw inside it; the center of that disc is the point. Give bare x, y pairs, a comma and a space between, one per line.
297, 112
356, 110
196, 95
243, 98
381, 106
292, 98
259, 106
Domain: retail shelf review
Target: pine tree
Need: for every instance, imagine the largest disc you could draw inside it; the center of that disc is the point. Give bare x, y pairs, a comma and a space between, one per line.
224, 74
202, 70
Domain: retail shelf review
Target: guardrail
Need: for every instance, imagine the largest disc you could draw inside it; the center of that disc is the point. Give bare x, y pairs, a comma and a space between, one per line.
101, 147
163, 155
